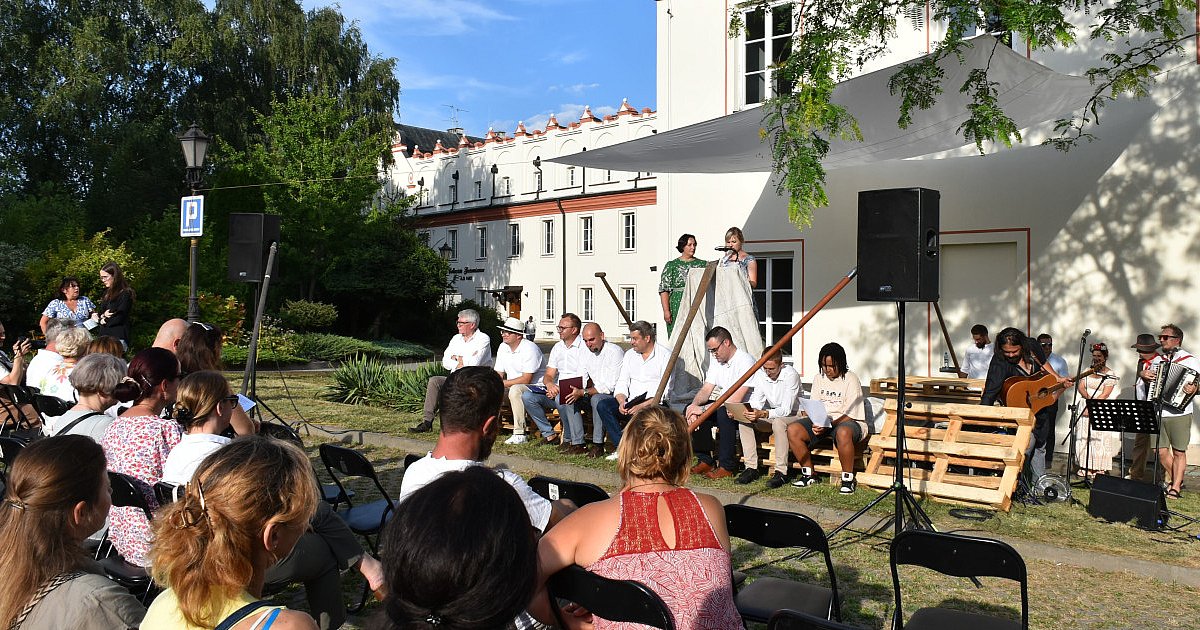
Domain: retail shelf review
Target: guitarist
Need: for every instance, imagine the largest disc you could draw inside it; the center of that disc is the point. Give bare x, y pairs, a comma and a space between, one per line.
1018, 355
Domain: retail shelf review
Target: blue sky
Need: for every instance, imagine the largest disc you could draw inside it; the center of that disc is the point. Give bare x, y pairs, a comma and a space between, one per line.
503, 61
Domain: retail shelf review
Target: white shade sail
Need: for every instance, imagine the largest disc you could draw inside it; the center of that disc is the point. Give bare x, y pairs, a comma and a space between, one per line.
1028, 92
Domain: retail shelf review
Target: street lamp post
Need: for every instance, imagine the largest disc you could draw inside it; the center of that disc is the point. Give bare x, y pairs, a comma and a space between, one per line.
445, 251
195, 145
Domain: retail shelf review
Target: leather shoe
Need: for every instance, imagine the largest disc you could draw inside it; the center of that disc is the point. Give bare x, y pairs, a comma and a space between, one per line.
701, 468
576, 449
550, 440
748, 475
595, 451
423, 427
719, 473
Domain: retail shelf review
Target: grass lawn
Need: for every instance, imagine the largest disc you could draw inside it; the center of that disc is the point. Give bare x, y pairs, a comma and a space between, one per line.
1061, 595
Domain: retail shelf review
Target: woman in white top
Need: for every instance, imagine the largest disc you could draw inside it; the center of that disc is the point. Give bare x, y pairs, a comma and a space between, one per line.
94, 379
72, 345
204, 406
1094, 450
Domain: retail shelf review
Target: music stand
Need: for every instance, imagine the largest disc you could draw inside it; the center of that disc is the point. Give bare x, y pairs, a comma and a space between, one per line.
1126, 416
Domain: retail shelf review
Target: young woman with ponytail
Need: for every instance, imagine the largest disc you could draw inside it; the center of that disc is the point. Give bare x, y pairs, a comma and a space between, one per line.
204, 406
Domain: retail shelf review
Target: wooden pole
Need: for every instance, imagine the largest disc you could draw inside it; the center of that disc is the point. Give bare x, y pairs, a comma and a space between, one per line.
697, 300
949, 345
601, 275
729, 391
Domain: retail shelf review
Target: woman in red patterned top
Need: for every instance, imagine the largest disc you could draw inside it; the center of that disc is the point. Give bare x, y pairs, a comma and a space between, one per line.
655, 531
138, 442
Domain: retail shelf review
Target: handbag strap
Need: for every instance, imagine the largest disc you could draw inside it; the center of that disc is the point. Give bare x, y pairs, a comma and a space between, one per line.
241, 614
67, 429
47, 587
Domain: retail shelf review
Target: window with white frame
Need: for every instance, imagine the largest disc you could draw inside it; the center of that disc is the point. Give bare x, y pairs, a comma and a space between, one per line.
453, 193
452, 240
628, 231
768, 42
587, 305
773, 298
514, 240
585, 235
570, 176
505, 186
608, 176
548, 237
629, 301
483, 296
547, 305
478, 190
481, 242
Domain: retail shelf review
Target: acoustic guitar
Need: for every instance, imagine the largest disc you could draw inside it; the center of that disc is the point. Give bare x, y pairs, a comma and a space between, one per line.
1035, 392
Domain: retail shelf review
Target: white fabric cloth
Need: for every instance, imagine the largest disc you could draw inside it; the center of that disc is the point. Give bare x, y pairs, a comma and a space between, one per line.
570, 361
779, 396
1028, 92
728, 303
527, 358
186, 457
476, 351
425, 470
40, 365
605, 367
976, 360
841, 397
723, 375
641, 375
92, 427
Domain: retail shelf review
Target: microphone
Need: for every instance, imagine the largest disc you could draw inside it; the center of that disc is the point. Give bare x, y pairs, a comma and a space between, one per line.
1087, 332
722, 248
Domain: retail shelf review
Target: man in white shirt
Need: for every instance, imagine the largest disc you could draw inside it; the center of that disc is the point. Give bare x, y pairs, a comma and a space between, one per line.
566, 368
1175, 428
979, 353
1148, 360
470, 406
602, 366
467, 348
840, 392
726, 366
642, 368
519, 363
48, 358
776, 398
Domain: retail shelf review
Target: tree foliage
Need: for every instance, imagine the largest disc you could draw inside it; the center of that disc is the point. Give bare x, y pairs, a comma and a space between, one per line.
839, 37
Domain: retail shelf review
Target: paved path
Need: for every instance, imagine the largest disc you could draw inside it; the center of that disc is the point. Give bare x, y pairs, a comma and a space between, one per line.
828, 517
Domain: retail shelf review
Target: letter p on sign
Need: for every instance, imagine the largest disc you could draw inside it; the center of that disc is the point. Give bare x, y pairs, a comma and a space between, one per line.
191, 216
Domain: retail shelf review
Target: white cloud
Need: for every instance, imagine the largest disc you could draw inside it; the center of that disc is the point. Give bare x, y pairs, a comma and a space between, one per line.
419, 18
566, 114
577, 89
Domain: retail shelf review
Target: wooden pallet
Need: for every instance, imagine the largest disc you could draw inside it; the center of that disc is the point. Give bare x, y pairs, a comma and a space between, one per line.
958, 454
824, 460
931, 389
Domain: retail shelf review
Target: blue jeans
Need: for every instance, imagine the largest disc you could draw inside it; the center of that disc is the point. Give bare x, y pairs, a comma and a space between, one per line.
727, 435
607, 418
536, 405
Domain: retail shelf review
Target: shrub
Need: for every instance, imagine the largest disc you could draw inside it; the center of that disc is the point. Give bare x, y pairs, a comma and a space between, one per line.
234, 357
369, 381
80, 256
224, 311
305, 316
325, 347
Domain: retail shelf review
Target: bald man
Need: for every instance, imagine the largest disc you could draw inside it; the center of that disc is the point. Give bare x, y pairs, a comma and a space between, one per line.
170, 333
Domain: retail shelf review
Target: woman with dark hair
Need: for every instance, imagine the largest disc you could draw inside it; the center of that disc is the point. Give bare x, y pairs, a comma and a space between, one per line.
674, 278
200, 349
1094, 450
246, 507
57, 494
655, 531
137, 443
112, 316
447, 568
68, 304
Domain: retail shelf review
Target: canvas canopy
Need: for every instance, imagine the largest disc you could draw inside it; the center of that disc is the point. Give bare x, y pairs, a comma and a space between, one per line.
1028, 92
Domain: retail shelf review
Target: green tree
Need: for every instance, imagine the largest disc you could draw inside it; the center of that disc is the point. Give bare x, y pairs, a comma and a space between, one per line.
839, 37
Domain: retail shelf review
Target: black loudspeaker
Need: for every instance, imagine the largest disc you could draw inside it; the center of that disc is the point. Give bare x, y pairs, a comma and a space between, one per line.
250, 237
898, 245
1120, 500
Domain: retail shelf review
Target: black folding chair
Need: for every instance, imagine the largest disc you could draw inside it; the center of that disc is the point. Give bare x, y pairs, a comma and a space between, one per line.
615, 600
329, 492
9, 448
167, 493
795, 620
410, 458
126, 493
577, 491
959, 556
50, 406
15, 423
759, 600
366, 519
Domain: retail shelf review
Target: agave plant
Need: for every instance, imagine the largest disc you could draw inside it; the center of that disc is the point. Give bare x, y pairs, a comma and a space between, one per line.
364, 380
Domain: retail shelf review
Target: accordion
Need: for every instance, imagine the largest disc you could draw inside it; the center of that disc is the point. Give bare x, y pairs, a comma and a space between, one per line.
1169, 379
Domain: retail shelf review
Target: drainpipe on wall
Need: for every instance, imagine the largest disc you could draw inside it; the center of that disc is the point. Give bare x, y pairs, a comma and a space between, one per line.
562, 213
583, 179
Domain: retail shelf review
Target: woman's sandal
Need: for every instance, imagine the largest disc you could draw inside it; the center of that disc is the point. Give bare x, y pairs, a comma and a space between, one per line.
1174, 494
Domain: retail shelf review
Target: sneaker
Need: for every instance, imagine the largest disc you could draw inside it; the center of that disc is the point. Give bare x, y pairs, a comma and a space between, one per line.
777, 480
516, 439
423, 427
748, 475
612, 457
849, 483
804, 479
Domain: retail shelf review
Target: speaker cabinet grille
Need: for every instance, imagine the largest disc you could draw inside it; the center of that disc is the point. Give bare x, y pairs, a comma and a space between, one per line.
1120, 500
898, 245
250, 236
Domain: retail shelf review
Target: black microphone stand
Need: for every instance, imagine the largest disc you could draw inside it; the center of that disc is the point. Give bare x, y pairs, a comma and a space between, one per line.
1076, 414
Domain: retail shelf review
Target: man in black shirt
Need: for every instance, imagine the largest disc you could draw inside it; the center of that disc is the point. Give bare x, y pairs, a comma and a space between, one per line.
1018, 355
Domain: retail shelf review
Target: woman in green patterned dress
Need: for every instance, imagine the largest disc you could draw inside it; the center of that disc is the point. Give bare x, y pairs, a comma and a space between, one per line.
674, 278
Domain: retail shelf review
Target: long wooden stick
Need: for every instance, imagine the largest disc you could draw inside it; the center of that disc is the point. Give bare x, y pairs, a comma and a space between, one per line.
949, 345
729, 391
601, 274
697, 300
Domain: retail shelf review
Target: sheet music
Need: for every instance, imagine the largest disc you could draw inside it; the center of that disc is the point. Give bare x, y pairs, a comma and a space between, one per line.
815, 410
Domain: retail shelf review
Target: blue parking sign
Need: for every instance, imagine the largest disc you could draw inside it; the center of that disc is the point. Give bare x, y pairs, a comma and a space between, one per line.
191, 216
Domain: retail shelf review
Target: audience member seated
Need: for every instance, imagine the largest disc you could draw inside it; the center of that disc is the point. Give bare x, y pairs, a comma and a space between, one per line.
203, 406
67, 304
107, 345
169, 334
642, 368
469, 347
775, 399
519, 363
601, 368
94, 379
57, 494
448, 568
566, 365
138, 442
72, 344
470, 410
47, 358
12, 369
199, 348
840, 393
246, 507
655, 531
726, 365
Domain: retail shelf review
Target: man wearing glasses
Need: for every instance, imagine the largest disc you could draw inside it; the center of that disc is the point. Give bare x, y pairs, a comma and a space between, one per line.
1175, 430
726, 365
565, 377
468, 347
1060, 366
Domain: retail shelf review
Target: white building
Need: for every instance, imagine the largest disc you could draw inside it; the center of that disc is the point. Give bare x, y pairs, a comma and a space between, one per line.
1098, 238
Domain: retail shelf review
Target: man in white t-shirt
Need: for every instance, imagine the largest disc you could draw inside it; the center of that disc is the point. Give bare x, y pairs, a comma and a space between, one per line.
519, 364
840, 392
979, 354
470, 406
727, 364
48, 358
601, 367
468, 347
641, 369
566, 368
775, 399
1175, 426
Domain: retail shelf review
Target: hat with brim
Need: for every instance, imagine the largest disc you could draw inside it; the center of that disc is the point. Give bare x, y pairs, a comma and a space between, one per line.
513, 325
1145, 343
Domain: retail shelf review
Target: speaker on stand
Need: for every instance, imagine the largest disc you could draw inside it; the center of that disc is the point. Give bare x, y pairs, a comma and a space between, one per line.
898, 245
253, 245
